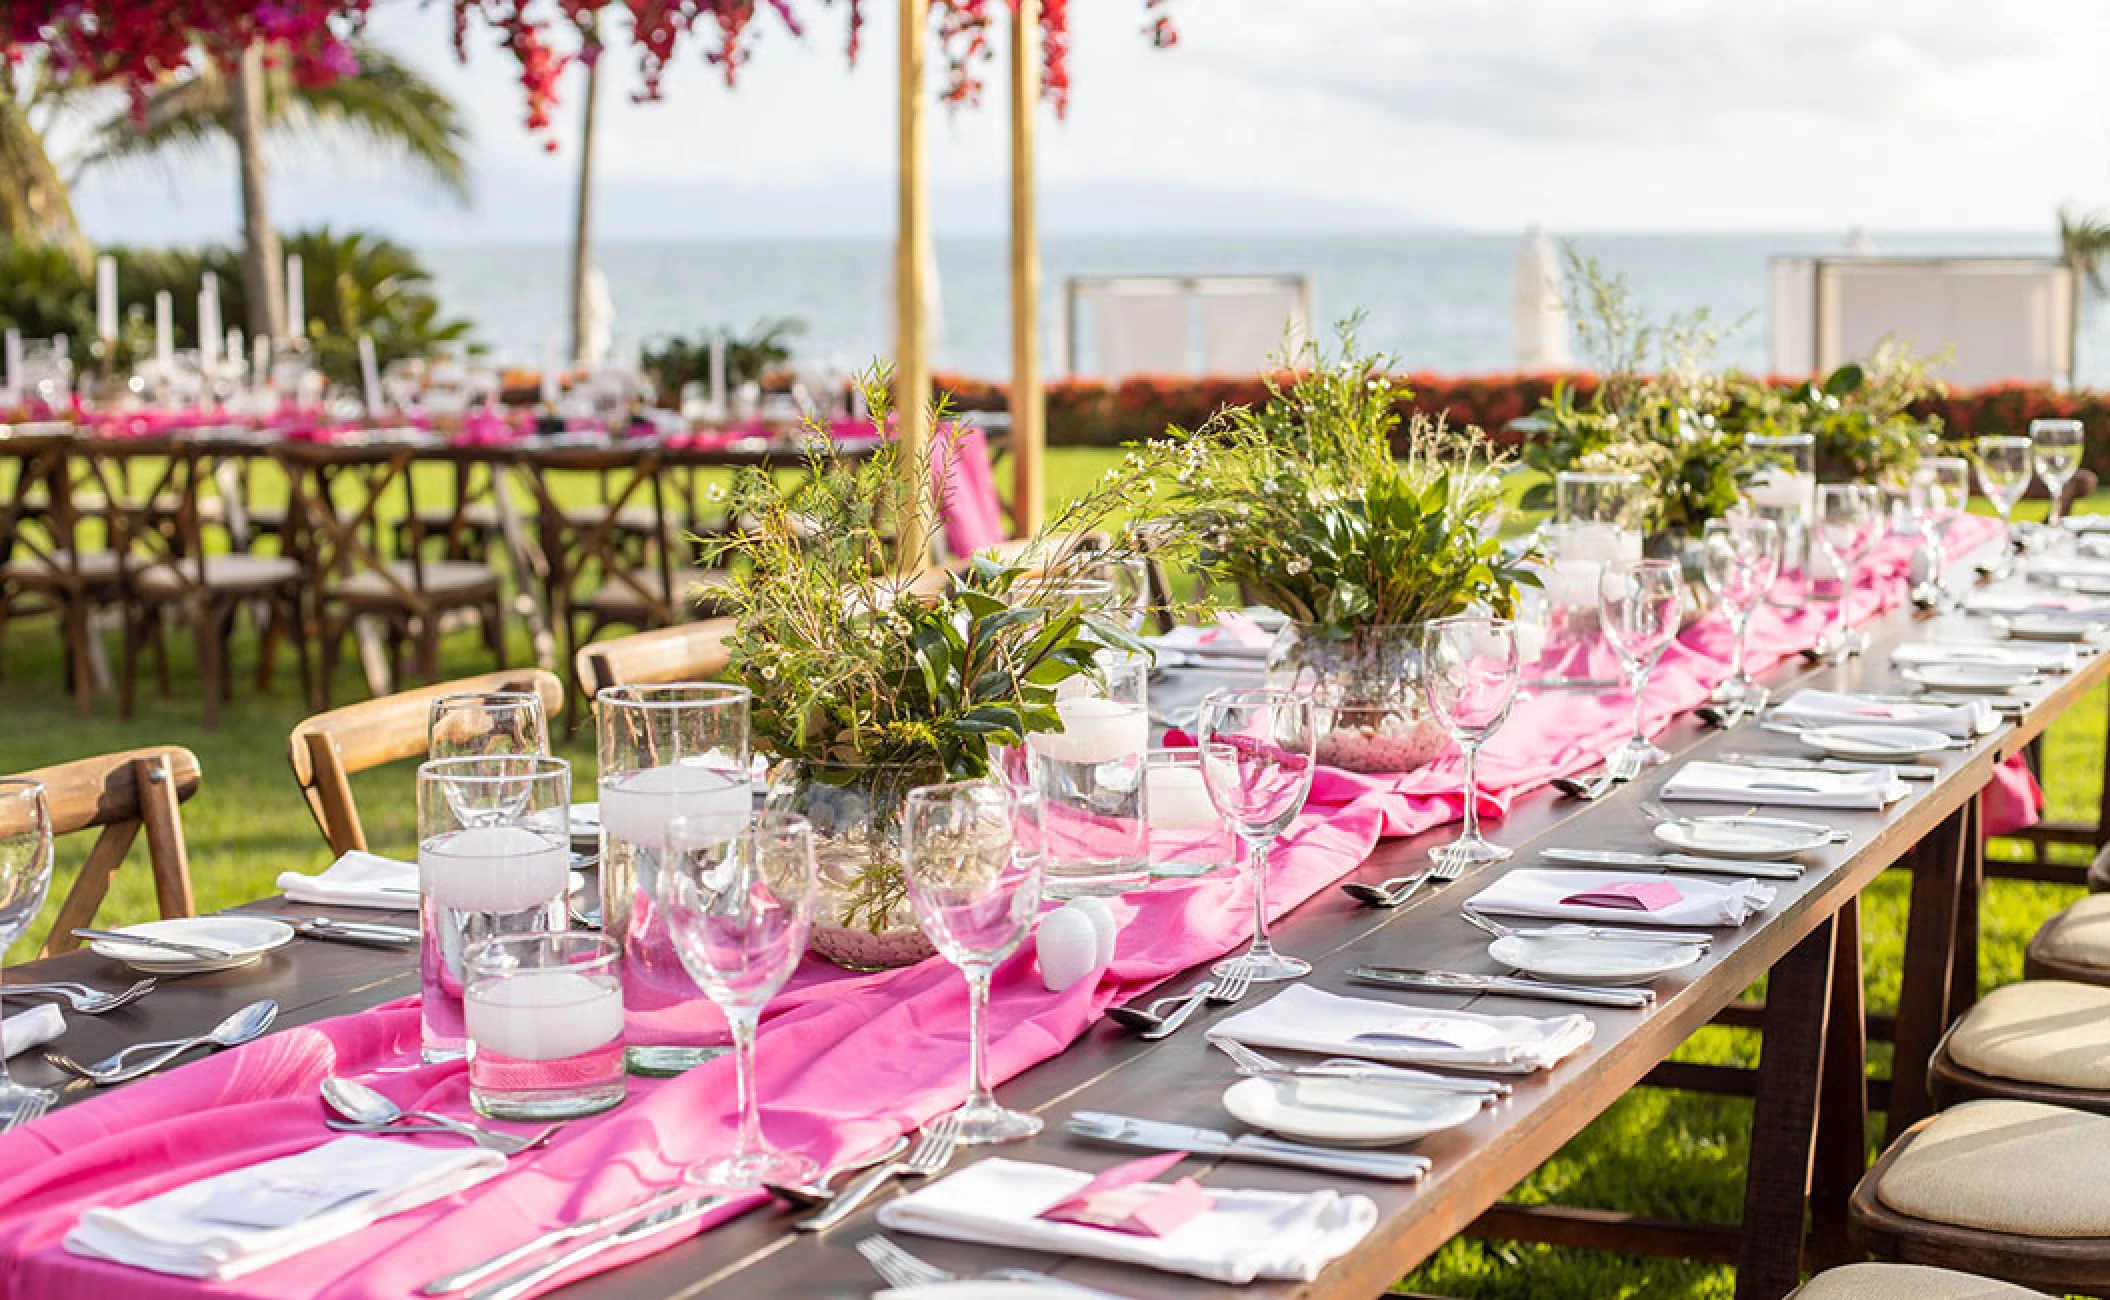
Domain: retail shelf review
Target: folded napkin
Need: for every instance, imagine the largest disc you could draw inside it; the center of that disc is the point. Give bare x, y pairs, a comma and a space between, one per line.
1728, 783
1839, 709
1304, 1019
1244, 1235
1532, 891
2055, 567
2045, 658
2081, 609
32, 1028
234, 1223
1235, 636
358, 879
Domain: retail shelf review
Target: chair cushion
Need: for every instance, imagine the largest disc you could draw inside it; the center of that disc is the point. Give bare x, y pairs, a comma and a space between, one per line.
2080, 935
620, 602
1906, 1282
2005, 1166
2052, 1032
37, 570
442, 578
222, 573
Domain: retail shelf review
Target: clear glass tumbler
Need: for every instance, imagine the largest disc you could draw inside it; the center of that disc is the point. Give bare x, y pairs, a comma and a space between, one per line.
545, 1020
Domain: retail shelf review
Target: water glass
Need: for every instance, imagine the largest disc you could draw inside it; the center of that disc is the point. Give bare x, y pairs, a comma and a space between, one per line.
1639, 603
1583, 497
972, 854
1259, 753
674, 750
1469, 675
739, 897
2056, 446
545, 1019
1849, 516
477, 724
1783, 489
1940, 487
494, 859
25, 878
2003, 462
1090, 779
1190, 834
1740, 559
1576, 556
1128, 577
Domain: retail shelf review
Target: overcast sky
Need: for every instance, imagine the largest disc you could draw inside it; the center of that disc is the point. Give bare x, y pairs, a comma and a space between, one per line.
1324, 115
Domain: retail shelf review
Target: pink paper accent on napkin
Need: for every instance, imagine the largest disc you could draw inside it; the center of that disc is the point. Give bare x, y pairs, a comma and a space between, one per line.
1628, 896
1123, 1200
1236, 627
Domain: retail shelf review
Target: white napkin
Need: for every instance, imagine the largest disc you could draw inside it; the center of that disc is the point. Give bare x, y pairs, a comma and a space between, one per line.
1839, 709
2045, 658
32, 1028
358, 879
1244, 1236
239, 1221
2019, 602
1235, 637
1533, 891
1304, 1019
1728, 783
2054, 567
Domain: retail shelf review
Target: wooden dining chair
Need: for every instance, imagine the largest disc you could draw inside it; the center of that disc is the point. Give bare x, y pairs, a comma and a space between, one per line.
2040, 1040
327, 749
2074, 944
46, 564
2010, 1190
686, 652
1906, 1282
121, 794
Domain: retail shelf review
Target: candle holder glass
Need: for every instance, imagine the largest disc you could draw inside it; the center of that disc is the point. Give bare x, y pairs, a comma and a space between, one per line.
1090, 777
1188, 837
545, 1021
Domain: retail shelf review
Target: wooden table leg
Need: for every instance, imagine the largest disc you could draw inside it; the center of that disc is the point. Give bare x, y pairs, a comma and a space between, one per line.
1842, 1112
1929, 968
1784, 1117
1970, 885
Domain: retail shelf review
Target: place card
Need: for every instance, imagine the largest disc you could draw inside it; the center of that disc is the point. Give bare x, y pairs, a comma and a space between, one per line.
1123, 1199
1629, 896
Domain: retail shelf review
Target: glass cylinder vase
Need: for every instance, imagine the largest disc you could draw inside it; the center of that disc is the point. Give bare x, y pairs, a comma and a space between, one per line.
1367, 689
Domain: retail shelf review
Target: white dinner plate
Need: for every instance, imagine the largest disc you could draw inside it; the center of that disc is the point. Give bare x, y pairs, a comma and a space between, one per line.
245, 938
1876, 741
1576, 959
1742, 837
978, 1288
586, 821
2052, 627
1990, 679
1348, 1112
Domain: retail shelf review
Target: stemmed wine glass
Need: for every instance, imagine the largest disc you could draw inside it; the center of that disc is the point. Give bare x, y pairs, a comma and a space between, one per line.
1847, 516
487, 724
972, 853
1940, 486
1259, 752
2056, 449
2003, 475
1638, 603
1469, 676
25, 877
739, 902
1740, 559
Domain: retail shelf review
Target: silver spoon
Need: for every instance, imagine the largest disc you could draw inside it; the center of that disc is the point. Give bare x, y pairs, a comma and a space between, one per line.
1385, 893
805, 1196
371, 1111
237, 1029
1158, 1013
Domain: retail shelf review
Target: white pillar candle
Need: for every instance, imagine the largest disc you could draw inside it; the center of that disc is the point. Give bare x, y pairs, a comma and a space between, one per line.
164, 330
550, 387
1531, 641
106, 297
718, 394
1094, 730
543, 1015
260, 367
237, 351
14, 363
296, 299
209, 321
494, 869
1178, 799
370, 376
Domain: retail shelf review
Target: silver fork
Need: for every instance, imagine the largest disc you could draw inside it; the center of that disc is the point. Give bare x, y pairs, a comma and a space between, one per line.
932, 1152
1230, 988
32, 1107
899, 1268
1259, 1065
88, 1001
1500, 931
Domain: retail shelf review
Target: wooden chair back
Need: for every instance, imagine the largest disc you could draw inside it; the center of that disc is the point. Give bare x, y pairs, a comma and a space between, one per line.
686, 652
327, 749
38, 518
121, 794
336, 543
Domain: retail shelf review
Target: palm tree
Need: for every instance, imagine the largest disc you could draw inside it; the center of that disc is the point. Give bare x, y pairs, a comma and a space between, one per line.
386, 106
35, 208
2084, 241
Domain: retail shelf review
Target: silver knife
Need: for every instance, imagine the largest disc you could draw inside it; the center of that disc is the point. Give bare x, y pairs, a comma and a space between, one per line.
329, 927
447, 1283
1904, 771
1449, 982
515, 1285
1161, 1135
1678, 862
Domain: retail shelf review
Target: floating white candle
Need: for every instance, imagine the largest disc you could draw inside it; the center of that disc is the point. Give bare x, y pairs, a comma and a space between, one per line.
636, 806
1178, 799
1094, 730
544, 1014
494, 869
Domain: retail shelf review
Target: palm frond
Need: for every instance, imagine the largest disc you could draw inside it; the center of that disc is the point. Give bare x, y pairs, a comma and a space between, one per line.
2084, 241
389, 107
184, 117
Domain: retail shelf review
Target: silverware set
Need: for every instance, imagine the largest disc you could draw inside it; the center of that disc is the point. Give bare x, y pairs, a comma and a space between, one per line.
1164, 1017
1622, 766
1443, 981
1253, 1148
1392, 893
362, 1110
197, 950
899, 1268
934, 1150
330, 927
1685, 862
1576, 930
1781, 763
80, 997
1253, 1063
245, 1024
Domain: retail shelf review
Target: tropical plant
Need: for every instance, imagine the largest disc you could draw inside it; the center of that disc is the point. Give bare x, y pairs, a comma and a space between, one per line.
676, 361
2084, 241
1861, 415
362, 284
1303, 501
35, 206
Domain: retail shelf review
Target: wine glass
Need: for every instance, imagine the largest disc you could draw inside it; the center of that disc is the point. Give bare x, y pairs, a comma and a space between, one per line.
1740, 558
2003, 475
972, 855
739, 901
1469, 676
1940, 486
1847, 515
1637, 602
2056, 448
25, 877
486, 724
1259, 752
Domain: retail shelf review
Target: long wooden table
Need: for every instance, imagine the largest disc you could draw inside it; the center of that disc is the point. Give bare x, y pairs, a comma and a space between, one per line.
1814, 1044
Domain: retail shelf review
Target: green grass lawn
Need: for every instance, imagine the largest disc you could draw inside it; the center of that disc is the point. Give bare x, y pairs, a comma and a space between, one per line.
1655, 1153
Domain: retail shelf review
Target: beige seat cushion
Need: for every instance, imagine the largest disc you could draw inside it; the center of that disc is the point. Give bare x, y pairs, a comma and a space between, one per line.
2006, 1166
38, 571
2080, 935
694, 590
1907, 1282
222, 573
449, 578
2052, 1032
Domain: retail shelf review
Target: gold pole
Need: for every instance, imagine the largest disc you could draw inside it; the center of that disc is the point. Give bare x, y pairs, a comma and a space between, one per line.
911, 292
1029, 405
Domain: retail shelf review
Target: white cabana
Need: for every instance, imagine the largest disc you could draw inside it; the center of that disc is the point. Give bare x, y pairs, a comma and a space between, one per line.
1541, 317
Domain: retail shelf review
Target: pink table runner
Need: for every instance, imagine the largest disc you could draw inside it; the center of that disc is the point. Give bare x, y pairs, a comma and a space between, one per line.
846, 1060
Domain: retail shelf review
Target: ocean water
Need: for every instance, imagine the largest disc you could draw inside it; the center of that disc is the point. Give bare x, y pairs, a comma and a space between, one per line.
1435, 302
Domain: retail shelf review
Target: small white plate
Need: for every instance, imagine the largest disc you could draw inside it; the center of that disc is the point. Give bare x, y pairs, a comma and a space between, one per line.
586, 821
1348, 1112
2051, 627
245, 939
978, 1288
1577, 959
1877, 741
1989, 679
1741, 837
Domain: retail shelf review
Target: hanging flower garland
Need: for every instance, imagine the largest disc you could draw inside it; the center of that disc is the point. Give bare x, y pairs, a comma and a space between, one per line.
137, 42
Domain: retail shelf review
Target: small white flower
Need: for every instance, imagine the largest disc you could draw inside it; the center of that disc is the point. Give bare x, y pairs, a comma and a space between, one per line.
715, 492
1298, 566
769, 672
